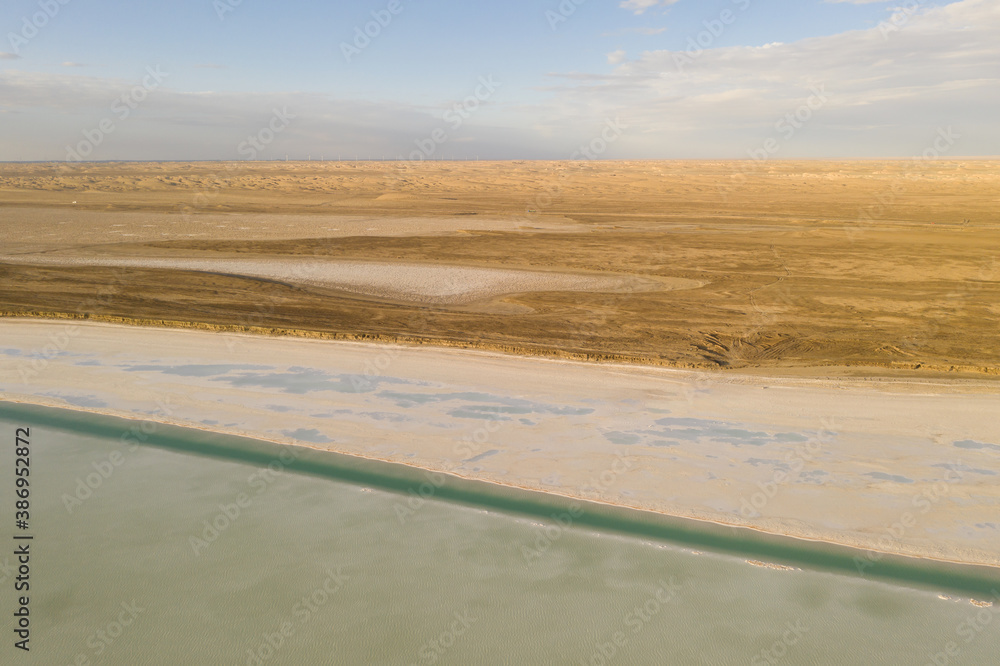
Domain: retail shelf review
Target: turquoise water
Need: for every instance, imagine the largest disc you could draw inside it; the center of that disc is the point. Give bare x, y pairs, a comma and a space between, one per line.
159, 554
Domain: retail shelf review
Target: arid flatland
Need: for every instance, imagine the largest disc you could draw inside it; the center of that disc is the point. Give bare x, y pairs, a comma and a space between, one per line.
863, 268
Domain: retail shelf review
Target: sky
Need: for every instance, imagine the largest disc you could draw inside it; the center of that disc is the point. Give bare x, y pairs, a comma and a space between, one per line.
520, 79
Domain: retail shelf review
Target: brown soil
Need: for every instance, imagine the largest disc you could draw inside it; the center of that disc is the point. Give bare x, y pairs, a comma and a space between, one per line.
849, 267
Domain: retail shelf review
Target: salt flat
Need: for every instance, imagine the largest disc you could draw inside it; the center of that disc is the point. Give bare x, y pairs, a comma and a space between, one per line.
902, 467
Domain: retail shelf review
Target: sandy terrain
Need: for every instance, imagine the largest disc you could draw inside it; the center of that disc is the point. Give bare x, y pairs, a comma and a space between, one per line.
829, 268
841, 461
414, 283
43, 228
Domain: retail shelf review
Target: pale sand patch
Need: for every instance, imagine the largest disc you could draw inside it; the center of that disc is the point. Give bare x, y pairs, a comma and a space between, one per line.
566, 427
419, 283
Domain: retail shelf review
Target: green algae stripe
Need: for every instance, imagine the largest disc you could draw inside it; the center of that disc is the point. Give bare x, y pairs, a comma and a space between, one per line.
975, 580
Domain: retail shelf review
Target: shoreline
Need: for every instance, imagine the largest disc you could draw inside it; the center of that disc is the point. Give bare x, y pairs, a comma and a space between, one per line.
685, 498
705, 528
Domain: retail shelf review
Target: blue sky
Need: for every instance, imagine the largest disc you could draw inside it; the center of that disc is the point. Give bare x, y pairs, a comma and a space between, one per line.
894, 74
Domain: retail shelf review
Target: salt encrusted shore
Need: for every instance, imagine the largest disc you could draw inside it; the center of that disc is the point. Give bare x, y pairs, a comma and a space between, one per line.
908, 468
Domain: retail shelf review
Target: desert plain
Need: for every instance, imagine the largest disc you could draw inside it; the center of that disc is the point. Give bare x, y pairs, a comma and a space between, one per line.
865, 268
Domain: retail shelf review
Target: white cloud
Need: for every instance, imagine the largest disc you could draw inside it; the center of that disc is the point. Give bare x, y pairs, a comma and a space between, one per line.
616, 57
9, 56
888, 90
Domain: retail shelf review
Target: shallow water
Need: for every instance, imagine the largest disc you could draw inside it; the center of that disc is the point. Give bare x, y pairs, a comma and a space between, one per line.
358, 575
